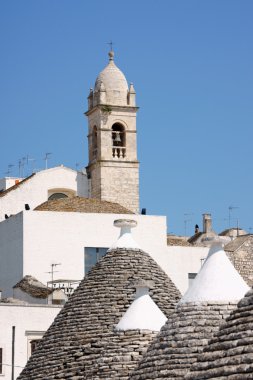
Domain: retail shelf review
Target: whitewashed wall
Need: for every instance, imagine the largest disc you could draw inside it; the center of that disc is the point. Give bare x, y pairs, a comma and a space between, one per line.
30, 322
183, 260
35, 190
60, 237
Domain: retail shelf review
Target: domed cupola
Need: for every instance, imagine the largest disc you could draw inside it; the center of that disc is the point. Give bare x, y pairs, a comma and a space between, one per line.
114, 83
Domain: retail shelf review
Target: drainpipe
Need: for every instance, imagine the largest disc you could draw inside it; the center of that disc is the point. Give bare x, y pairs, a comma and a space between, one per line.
13, 353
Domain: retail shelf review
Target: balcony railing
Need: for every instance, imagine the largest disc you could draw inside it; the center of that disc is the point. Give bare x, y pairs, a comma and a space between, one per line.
118, 152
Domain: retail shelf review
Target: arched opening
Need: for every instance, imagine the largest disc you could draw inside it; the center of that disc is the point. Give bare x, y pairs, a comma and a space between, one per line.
57, 196
118, 141
58, 193
94, 141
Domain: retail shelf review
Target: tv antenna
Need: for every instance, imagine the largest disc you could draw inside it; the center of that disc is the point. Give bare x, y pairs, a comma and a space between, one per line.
186, 220
230, 209
47, 157
10, 166
21, 167
32, 160
53, 271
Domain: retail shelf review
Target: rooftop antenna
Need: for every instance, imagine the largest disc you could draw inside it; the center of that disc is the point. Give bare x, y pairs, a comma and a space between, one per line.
21, 167
24, 162
47, 157
52, 272
10, 166
230, 209
186, 220
32, 160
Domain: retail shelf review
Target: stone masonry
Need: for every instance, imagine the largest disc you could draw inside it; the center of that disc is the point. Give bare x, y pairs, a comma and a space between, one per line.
181, 340
229, 354
82, 342
113, 168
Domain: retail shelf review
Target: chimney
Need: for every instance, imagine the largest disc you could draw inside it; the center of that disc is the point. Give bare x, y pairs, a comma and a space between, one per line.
207, 223
196, 229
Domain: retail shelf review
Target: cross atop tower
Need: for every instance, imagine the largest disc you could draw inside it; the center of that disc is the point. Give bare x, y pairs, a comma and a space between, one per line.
111, 44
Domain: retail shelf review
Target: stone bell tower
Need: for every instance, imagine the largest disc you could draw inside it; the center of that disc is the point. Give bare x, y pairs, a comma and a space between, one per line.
113, 167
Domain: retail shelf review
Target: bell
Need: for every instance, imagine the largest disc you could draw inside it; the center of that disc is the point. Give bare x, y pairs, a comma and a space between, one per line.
117, 137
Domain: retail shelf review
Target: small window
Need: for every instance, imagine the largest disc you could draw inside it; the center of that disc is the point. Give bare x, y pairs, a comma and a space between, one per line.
57, 196
34, 344
1, 360
191, 277
91, 257
94, 141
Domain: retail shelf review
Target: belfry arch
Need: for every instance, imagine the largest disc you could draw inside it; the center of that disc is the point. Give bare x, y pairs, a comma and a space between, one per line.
118, 140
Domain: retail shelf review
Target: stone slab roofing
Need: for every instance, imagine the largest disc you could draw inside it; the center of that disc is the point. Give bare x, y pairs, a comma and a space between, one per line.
81, 204
229, 354
82, 342
181, 340
240, 252
33, 287
177, 241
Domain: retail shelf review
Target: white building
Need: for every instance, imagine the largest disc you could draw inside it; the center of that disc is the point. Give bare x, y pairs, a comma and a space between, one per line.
32, 240
28, 323
39, 187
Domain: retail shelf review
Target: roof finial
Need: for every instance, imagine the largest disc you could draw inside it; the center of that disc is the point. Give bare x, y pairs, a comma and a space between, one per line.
111, 52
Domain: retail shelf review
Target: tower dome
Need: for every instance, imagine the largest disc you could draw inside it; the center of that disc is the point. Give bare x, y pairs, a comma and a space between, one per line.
114, 82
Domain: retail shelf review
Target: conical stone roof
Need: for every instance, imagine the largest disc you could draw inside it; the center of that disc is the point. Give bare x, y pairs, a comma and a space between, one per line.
188, 329
229, 354
82, 342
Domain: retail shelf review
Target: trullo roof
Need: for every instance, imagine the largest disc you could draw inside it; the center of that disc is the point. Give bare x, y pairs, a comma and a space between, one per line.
229, 354
186, 333
82, 342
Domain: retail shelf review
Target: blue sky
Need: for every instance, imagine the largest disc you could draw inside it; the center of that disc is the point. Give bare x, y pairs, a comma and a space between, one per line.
191, 63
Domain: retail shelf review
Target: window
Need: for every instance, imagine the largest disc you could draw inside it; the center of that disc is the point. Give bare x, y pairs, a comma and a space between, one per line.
57, 196
91, 257
34, 344
94, 141
1, 360
33, 339
118, 141
191, 277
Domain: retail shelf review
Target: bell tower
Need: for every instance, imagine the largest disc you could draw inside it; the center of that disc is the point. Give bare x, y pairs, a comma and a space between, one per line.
113, 167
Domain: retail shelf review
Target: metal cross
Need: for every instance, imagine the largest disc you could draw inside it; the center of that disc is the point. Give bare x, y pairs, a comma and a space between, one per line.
110, 43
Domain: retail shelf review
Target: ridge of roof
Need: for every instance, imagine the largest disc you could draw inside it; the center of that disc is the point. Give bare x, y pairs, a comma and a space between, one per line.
82, 204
